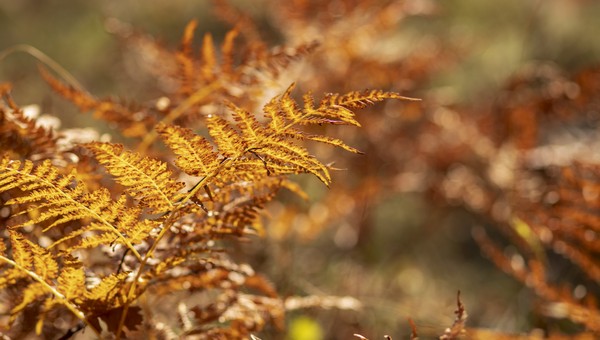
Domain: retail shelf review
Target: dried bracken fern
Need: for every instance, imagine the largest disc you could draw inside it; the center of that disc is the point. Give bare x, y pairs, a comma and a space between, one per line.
156, 237
143, 239
22, 135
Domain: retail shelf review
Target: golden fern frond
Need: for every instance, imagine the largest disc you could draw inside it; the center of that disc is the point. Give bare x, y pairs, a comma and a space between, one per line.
23, 135
97, 234
62, 199
210, 67
28, 259
133, 121
194, 74
251, 149
274, 142
209, 58
229, 143
253, 141
332, 109
70, 284
195, 155
185, 60
276, 149
145, 179
71, 280
227, 51
66, 287
214, 75
30, 256
240, 215
107, 294
329, 140
40, 266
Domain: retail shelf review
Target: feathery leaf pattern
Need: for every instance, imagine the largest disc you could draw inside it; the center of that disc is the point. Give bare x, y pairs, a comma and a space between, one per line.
195, 155
62, 199
147, 180
102, 244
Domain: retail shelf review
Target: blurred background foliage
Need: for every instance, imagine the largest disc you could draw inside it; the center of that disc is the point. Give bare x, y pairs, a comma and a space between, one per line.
414, 255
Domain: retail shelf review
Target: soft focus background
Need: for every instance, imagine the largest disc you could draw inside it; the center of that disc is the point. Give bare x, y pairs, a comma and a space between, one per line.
375, 235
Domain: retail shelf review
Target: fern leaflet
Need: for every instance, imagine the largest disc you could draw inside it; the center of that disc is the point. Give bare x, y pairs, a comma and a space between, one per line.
147, 180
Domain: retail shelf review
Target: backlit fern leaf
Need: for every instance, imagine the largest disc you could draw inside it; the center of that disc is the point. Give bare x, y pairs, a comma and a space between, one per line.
332, 109
62, 199
195, 155
147, 180
32, 257
228, 140
284, 114
23, 135
209, 58
252, 140
34, 271
72, 278
66, 286
28, 256
253, 149
274, 148
106, 290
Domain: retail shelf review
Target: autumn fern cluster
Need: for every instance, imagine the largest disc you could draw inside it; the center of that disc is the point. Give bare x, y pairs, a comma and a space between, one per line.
142, 238
75, 241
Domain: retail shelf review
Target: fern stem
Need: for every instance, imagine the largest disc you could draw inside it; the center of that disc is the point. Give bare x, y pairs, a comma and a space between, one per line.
125, 241
166, 226
203, 181
44, 59
181, 203
190, 101
58, 295
132, 288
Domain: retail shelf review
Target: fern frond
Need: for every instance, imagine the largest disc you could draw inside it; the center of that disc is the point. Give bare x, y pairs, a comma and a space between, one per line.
133, 121
188, 38
62, 199
332, 109
274, 142
228, 140
253, 140
70, 283
32, 257
195, 155
23, 135
209, 58
147, 180
331, 141
108, 293
285, 153
185, 60
98, 234
28, 261
272, 148
38, 264
227, 51
253, 149
71, 280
